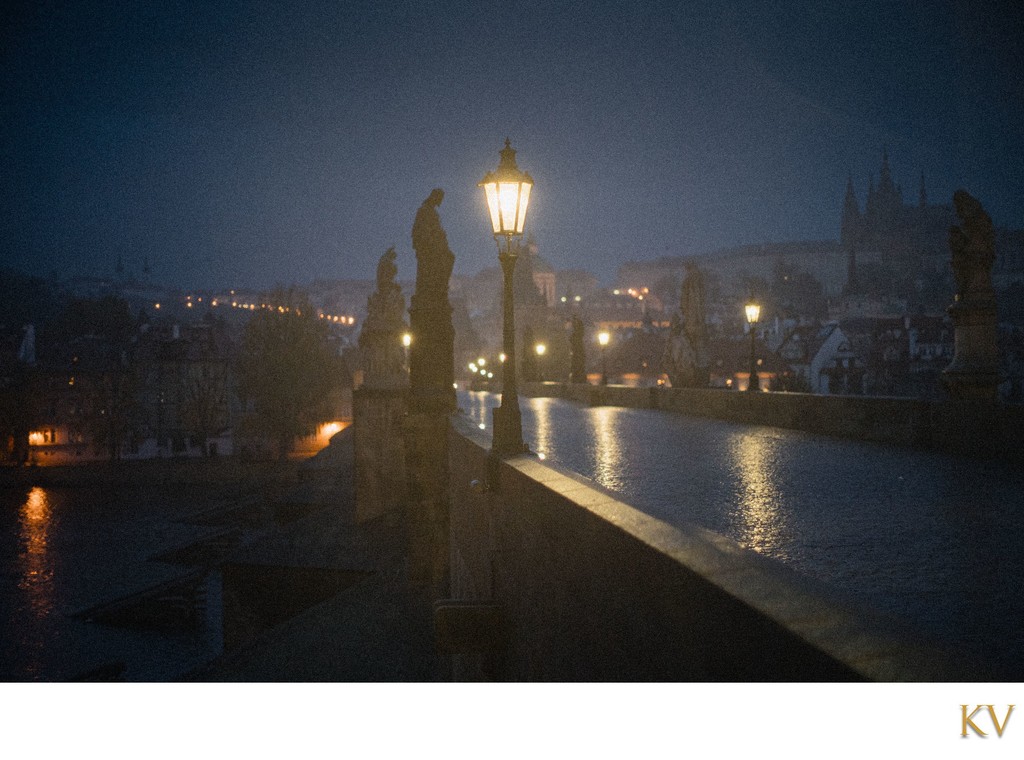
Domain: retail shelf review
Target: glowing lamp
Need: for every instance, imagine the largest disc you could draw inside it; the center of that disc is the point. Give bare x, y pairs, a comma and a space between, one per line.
753, 314
603, 339
507, 191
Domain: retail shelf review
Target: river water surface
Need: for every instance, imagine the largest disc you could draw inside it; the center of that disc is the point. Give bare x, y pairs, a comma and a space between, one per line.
934, 539
64, 550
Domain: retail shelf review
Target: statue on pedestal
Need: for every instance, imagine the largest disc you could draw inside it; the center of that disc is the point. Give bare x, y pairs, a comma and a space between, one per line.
431, 401
432, 359
686, 354
380, 340
973, 247
974, 371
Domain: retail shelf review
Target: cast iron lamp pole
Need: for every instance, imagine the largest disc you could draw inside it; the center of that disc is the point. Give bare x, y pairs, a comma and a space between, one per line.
753, 314
602, 339
507, 191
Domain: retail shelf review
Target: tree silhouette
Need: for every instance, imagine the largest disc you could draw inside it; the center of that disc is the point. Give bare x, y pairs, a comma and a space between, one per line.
111, 409
204, 401
286, 370
21, 406
99, 334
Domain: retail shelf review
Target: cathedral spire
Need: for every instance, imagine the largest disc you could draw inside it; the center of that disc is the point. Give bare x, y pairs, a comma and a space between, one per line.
885, 184
850, 224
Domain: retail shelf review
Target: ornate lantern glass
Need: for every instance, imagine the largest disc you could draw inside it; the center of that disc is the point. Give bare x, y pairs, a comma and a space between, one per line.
507, 191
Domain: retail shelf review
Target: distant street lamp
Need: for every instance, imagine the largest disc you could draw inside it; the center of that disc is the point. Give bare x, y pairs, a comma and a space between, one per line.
507, 191
602, 339
541, 349
753, 314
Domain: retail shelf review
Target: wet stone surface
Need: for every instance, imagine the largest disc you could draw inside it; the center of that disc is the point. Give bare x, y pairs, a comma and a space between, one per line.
932, 539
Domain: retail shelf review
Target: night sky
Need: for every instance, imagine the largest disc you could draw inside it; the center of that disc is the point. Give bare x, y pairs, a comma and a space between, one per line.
248, 144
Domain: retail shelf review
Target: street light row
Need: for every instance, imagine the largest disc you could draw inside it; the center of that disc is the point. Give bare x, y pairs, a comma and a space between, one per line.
507, 192
341, 319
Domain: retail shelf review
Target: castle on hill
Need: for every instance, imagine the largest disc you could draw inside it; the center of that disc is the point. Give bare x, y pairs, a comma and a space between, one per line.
905, 238
889, 225
889, 248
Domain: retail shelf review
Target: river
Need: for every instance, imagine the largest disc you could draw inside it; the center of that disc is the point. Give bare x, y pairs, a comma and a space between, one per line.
933, 539
65, 550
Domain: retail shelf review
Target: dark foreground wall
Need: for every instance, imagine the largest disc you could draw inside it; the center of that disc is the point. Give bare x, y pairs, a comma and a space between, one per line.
379, 415
589, 588
973, 428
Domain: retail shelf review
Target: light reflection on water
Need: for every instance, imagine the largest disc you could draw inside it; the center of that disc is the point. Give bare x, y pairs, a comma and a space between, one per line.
542, 436
934, 538
760, 515
605, 446
66, 549
36, 577
35, 569
478, 408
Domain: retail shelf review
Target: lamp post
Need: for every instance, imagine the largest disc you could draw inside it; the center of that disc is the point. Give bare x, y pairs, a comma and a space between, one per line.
753, 314
507, 191
406, 342
602, 339
541, 349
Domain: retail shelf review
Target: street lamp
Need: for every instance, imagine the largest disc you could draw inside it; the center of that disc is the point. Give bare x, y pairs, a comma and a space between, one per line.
541, 349
602, 339
753, 314
507, 191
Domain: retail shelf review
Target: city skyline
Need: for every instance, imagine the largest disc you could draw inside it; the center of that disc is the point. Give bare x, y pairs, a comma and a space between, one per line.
236, 145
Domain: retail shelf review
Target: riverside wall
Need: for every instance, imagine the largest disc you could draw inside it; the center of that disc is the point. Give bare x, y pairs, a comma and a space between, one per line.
579, 586
970, 428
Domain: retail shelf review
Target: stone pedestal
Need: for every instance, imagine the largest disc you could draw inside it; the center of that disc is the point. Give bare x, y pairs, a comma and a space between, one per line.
974, 371
379, 407
431, 367
378, 417
426, 456
431, 402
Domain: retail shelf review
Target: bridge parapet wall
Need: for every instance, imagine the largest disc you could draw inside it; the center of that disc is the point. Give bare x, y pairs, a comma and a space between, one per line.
592, 589
973, 428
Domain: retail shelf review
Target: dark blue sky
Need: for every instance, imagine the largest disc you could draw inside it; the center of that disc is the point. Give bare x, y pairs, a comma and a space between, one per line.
262, 143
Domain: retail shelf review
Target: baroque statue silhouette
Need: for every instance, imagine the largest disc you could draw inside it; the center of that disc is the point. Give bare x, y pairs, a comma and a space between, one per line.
432, 351
380, 338
434, 259
974, 371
